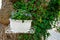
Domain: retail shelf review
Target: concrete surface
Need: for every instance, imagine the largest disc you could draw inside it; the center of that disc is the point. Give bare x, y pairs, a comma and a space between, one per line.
54, 35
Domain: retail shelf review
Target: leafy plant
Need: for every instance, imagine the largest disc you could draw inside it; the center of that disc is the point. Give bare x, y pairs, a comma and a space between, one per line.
42, 15
58, 29
21, 15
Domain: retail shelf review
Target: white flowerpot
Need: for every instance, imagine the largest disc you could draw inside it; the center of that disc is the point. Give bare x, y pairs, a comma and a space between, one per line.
19, 26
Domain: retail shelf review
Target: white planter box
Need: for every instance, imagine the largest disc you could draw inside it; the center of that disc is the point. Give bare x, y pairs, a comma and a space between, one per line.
19, 26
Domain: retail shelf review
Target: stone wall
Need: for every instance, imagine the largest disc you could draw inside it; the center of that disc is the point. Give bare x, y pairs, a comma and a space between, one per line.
7, 36
5, 12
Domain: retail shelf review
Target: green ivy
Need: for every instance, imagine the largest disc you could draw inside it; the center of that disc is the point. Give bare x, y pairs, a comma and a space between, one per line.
21, 15
42, 16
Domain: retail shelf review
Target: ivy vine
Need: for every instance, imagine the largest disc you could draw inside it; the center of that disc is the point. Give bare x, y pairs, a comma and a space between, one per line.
43, 13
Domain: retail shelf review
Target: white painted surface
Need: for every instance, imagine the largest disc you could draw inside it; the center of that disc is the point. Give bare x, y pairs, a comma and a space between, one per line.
8, 30
54, 35
0, 3
58, 24
18, 26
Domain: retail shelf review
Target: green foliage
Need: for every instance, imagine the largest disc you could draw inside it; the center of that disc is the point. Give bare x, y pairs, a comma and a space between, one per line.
21, 15
42, 16
58, 29
53, 6
59, 15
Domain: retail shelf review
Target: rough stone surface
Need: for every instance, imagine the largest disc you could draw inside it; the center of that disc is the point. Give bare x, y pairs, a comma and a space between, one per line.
5, 12
4, 20
6, 36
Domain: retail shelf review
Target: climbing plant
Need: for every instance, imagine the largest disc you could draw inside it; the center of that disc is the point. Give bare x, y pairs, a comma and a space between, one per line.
43, 14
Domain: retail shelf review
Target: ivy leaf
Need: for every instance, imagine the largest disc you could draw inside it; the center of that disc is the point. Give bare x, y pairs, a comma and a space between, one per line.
40, 20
